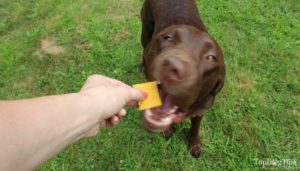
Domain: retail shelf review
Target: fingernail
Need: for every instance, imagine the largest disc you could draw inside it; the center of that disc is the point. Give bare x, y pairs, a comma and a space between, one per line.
145, 94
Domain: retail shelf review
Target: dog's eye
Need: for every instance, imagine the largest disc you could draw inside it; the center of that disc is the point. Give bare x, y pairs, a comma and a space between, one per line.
210, 59
168, 37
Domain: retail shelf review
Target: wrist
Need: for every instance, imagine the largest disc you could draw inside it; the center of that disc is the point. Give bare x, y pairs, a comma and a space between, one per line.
85, 114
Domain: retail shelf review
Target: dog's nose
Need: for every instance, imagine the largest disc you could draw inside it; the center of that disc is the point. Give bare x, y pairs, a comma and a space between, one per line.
173, 69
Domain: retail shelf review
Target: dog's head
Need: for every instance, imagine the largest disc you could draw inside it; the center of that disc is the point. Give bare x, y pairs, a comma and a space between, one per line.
189, 65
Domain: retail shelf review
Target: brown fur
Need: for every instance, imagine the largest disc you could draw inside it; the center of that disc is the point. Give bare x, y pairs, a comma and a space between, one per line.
172, 29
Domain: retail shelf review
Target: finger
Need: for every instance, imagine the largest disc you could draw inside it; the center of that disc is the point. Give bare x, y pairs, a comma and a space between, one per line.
132, 94
137, 95
121, 113
132, 103
113, 121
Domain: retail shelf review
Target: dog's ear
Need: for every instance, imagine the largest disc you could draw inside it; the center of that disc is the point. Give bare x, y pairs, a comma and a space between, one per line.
149, 53
202, 105
148, 24
220, 83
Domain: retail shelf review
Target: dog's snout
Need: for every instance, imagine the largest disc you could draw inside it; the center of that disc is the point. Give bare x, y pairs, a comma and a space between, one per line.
173, 69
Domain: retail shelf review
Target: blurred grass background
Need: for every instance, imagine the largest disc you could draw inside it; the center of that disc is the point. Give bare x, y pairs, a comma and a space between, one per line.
51, 47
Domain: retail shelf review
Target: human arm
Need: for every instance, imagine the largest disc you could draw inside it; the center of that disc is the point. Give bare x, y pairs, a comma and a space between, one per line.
34, 130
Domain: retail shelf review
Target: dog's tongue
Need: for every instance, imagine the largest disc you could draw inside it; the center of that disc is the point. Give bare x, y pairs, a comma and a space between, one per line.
160, 118
165, 107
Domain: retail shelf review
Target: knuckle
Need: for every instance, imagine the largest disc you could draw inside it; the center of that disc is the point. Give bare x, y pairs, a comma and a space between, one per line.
93, 77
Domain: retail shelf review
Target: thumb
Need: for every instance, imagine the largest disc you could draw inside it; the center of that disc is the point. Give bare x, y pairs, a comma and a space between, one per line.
133, 94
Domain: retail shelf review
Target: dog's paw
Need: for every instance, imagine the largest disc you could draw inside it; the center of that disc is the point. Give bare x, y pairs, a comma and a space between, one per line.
195, 150
169, 132
195, 147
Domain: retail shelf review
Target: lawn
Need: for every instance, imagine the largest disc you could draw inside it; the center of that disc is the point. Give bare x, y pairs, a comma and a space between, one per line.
51, 47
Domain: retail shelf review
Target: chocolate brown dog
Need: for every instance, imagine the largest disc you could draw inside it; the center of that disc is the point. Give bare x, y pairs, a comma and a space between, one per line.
186, 60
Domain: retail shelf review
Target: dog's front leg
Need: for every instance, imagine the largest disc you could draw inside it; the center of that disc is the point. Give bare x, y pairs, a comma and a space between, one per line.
194, 138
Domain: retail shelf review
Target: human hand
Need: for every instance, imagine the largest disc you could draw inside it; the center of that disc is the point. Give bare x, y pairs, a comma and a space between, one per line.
106, 98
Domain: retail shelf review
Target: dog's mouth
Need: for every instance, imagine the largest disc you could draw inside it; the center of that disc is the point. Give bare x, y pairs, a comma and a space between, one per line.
160, 118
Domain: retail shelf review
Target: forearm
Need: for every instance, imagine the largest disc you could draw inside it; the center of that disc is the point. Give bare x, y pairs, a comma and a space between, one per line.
32, 131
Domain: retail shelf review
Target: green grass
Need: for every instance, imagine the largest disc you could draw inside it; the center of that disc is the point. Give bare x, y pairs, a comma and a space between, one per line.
255, 117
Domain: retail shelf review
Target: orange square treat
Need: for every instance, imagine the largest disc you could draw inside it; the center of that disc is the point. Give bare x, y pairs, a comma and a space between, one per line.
153, 99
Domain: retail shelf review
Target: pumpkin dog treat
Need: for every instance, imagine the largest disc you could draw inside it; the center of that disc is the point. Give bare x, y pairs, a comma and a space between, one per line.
153, 99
